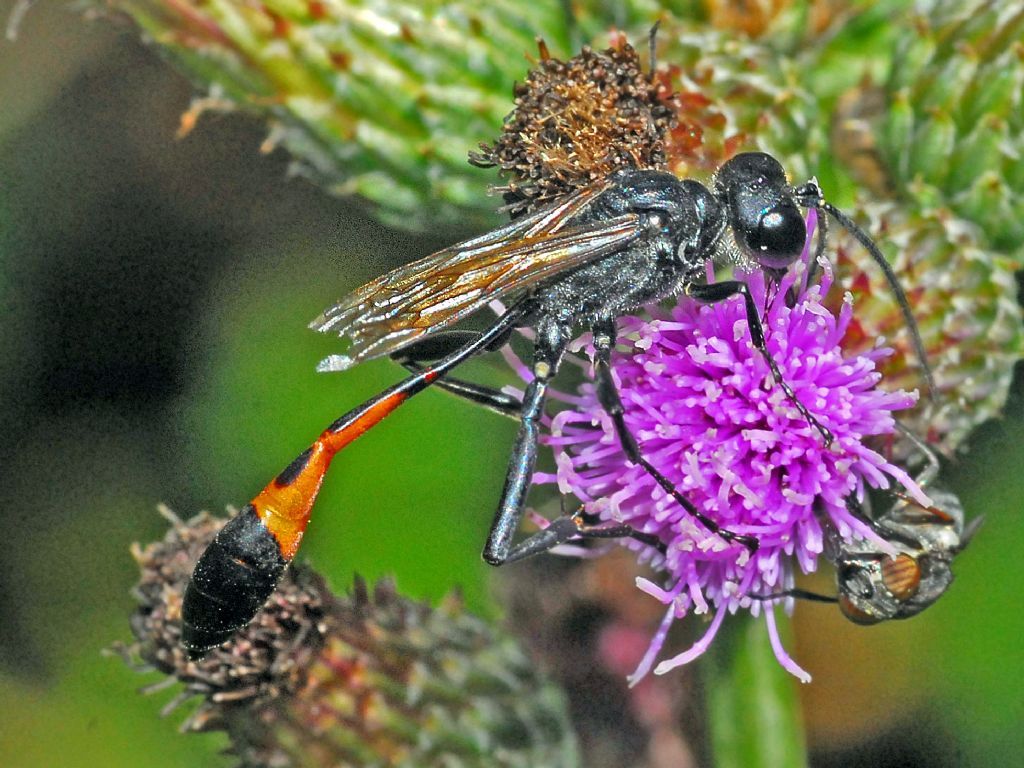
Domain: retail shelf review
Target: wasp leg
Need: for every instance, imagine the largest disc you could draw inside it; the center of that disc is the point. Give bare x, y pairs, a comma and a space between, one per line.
572, 527
608, 396
548, 350
932, 468
799, 594
443, 343
712, 293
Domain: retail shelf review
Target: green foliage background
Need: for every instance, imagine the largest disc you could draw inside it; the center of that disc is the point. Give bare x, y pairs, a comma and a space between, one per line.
153, 301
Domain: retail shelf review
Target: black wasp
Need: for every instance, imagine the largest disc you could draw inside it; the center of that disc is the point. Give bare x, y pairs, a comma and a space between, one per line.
639, 237
633, 237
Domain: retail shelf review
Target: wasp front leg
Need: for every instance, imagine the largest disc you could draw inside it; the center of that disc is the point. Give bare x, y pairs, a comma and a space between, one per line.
712, 293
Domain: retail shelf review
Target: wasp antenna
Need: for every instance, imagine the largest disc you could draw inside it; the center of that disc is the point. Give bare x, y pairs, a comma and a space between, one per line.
865, 240
652, 48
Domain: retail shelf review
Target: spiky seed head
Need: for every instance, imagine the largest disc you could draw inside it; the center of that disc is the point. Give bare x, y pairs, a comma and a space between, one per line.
953, 130
369, 678
576, 122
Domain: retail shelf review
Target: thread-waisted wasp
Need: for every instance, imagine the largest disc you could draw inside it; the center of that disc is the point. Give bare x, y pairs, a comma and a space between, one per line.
637, 236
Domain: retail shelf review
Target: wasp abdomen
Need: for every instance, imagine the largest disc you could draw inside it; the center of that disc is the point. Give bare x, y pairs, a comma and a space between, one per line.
231, 582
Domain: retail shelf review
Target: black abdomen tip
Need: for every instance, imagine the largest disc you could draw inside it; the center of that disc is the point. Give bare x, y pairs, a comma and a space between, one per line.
231, 582
196, 641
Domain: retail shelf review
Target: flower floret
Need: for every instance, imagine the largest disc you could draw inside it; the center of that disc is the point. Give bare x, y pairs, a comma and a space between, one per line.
701, 401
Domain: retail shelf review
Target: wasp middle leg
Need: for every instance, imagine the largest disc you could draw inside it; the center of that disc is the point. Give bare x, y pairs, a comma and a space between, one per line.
611, 401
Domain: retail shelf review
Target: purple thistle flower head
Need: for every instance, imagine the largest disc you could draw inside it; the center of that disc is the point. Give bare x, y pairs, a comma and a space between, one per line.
701, 401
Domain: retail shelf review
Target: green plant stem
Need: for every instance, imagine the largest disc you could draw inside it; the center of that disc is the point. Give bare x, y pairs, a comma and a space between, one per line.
753, 709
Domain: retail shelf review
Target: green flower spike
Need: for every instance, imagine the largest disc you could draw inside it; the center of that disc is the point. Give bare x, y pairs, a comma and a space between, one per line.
377, 99
953, 132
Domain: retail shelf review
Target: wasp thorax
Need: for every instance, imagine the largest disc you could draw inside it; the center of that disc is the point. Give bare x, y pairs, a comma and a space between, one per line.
766, 221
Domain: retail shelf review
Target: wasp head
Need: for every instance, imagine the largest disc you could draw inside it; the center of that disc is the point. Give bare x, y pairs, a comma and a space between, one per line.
765, 219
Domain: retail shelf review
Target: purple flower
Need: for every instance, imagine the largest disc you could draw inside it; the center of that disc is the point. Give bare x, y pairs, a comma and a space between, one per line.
702, 404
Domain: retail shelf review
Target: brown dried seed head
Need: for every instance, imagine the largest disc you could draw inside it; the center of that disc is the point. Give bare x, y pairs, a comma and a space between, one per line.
576, 122
370, 678
262, 662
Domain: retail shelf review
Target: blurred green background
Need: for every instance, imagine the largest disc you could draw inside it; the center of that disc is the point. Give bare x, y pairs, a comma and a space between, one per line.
154, 294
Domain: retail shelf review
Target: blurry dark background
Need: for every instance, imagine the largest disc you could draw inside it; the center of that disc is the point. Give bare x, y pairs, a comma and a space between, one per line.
153, 300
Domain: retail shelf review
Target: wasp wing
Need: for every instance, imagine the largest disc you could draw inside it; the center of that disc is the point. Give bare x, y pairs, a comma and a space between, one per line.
422, 297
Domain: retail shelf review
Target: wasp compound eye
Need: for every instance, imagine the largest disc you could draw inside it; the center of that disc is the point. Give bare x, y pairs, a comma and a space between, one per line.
779, 237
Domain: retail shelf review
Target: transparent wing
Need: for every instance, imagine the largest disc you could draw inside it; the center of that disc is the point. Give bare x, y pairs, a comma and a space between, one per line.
422, 297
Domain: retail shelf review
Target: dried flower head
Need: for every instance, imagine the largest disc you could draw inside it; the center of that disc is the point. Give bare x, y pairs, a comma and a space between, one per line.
702, 404
260, 665
576, 122
370, 679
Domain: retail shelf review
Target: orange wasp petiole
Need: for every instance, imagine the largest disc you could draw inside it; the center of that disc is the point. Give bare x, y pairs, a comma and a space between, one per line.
239, 570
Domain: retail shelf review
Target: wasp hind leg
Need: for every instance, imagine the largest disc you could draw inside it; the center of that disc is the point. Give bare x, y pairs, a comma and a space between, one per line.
415, 357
